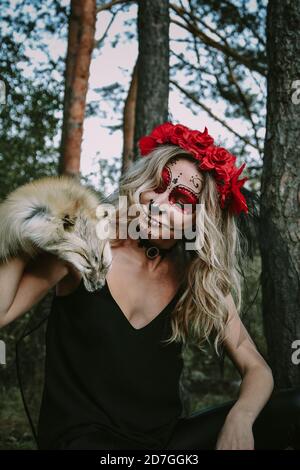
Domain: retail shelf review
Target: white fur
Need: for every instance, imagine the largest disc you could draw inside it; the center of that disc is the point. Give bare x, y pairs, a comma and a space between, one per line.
33, 218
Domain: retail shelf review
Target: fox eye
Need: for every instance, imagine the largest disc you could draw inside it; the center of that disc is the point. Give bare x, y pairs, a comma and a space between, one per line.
165, 180
68, 222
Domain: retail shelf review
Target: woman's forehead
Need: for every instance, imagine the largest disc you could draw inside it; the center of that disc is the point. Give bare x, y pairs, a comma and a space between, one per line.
185, 171
184, 164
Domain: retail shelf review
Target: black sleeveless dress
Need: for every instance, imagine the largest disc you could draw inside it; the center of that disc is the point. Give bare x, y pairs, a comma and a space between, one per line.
103, 374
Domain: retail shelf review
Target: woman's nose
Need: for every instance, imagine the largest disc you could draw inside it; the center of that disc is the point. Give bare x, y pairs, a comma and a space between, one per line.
159, 203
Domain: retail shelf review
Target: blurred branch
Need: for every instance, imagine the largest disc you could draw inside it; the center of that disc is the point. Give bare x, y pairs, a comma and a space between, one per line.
109, 5
245, 23
191, 66
186, 41
100, 40
129, 121
196, 101
224, 48
194, 18
254, 167
244, 102
194, 39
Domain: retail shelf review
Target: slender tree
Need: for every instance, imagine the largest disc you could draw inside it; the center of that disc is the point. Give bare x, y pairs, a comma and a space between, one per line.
129, 122
280, 210
153, 66
81, 39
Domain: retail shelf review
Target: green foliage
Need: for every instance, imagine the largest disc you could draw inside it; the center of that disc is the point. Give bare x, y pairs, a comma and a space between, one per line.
31, 117
14, 431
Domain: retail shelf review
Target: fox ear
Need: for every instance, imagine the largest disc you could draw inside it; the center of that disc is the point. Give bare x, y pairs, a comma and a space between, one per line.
68, 222
37, 211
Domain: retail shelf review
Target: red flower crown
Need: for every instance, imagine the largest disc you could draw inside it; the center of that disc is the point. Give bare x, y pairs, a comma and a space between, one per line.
212, 158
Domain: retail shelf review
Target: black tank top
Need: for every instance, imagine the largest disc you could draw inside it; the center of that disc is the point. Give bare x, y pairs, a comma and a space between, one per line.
102, 373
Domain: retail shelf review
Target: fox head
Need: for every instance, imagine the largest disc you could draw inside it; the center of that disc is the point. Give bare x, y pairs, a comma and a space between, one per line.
58, 215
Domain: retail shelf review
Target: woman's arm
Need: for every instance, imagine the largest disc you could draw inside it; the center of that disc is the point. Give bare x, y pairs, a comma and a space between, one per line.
24, 286
10, 275
256, 387
257, 378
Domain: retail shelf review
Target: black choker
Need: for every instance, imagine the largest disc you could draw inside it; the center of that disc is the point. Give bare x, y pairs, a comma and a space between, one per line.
153, 251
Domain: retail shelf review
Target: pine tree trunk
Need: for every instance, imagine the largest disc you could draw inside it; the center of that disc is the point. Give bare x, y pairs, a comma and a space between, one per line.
80, 46
280, 212
153, 67
129, 122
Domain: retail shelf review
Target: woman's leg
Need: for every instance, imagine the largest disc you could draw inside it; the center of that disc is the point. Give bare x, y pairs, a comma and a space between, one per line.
276, 427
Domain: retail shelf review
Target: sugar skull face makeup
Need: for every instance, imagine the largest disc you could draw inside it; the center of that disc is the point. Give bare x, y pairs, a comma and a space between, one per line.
174, 201
181, 195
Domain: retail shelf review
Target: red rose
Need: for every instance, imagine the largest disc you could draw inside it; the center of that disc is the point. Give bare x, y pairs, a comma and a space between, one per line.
146, 144
162, 133
201, 140
218, 156
210, 157
180, 136
238, 202
219, 160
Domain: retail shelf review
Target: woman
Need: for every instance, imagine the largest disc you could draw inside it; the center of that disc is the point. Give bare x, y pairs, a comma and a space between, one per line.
113, 359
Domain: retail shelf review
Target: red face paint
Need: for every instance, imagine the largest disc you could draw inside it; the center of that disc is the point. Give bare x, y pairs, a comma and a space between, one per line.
165, 180
179, 195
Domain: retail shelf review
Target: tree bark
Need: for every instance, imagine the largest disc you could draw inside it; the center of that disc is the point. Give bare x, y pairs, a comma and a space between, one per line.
129, 122
153, 67
280, 209
81, 35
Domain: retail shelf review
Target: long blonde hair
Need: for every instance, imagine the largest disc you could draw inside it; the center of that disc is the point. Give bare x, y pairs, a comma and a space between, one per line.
210, 273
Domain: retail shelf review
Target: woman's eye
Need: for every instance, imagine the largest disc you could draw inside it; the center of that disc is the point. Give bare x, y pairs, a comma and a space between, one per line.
161, 188
165, 180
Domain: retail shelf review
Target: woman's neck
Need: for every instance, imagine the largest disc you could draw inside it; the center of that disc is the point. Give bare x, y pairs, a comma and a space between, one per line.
139, 254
